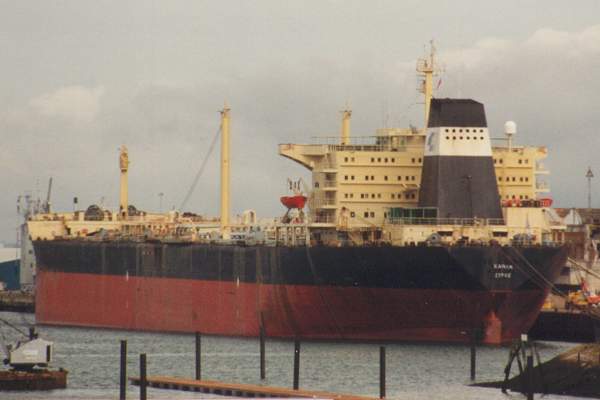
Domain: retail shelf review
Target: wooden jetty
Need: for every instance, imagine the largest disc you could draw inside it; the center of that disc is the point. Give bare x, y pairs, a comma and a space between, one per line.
239, 389
17, 301
575, 372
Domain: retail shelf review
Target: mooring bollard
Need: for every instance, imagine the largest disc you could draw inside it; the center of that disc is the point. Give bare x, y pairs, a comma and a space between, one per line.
473, 354
296, 364
263, 373
143, 381
123, 371
381, 372
198, 354
530, 377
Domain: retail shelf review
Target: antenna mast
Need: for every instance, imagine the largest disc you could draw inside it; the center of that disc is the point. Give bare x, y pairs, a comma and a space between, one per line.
426, 70
589, 175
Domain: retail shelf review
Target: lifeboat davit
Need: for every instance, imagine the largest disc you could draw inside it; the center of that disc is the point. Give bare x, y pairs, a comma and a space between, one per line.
296, 201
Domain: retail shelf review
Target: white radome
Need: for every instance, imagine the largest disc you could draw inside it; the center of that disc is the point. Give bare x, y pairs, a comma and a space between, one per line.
510, 127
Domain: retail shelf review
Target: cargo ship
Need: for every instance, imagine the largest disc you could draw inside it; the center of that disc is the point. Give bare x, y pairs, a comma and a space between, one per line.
413, 234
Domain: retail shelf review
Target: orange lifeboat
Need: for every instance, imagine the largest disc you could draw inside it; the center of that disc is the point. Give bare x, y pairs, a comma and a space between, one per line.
546, 202
296, 201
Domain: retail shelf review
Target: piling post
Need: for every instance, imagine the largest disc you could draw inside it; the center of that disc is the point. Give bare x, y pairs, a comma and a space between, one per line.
143, 380
296, 364
262, 355
473, 354
123, 371
530, 377
198, 353
382, 372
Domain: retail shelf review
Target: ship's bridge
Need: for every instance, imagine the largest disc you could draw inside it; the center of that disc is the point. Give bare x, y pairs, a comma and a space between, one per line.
386, 139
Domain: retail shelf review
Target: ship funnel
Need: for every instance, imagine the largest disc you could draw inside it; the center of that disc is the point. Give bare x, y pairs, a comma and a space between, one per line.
458, 175
124, 167
346, 114
225, 167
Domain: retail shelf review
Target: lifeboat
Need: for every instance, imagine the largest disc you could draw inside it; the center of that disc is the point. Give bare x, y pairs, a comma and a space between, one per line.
546, 202
296, 201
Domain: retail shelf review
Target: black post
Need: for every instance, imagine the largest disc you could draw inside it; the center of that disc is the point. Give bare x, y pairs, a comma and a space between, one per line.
473, 354
530, 377
143, 381
382, 372
123, 372
296, 364
262, 354
198, 352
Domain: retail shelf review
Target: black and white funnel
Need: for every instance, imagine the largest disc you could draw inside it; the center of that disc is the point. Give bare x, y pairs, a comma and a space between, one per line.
458, 171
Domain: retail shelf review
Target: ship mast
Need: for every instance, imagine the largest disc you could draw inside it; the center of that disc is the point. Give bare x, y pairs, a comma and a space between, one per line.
124, 167
427, 69
346, 114
225, 167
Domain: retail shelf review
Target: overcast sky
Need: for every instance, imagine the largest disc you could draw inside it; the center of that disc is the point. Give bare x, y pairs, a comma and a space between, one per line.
80, 78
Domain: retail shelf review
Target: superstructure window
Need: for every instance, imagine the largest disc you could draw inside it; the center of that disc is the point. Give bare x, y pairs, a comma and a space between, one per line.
352, 177
366, 214
345, 177
372, 214
372, 178
385, 178
345, 159
366, 177
399, 178
378, 159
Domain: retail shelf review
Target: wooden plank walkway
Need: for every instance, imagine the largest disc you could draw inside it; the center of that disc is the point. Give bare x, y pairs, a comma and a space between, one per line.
239, 389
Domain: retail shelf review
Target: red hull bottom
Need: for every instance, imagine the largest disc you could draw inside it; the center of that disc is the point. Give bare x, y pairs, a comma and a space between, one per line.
308, 312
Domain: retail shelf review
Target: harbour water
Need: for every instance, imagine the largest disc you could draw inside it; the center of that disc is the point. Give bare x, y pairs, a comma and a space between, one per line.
414, 371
